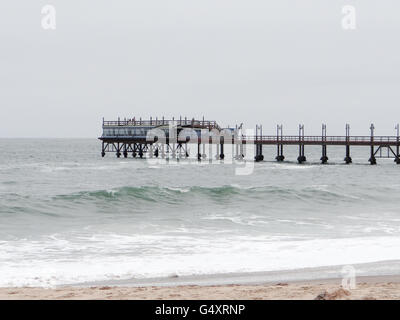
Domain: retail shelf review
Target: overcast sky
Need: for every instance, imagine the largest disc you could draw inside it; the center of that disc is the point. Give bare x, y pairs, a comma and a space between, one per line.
251, 61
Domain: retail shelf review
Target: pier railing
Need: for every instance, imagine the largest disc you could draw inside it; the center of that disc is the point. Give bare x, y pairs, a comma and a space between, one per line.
161, 122
323, 139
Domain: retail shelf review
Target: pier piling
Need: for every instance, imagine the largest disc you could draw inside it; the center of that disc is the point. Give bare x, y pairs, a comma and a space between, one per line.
372, 158
222, 155
279, 138
198, 151
103, 150
118, 149
125, 153
259, 156
324, 158
301, 158
348, 159
397, 158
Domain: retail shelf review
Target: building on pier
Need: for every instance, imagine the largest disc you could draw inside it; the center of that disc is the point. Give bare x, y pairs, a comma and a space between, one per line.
159, 136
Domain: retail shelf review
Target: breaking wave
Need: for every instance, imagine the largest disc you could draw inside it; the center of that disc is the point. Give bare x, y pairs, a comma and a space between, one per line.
157, 193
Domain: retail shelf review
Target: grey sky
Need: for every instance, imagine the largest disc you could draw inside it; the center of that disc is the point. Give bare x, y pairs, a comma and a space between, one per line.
255, 61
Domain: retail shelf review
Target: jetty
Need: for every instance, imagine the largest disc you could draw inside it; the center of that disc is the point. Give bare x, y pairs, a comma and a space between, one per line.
169, 138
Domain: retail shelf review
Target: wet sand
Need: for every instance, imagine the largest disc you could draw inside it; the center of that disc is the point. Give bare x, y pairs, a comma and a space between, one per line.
367, 288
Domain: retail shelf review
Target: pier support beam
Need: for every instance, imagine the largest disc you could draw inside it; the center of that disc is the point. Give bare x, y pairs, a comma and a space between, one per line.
237, 157
140, 151
186, 150
118, 151
163, 151
235, 144
324, 158
198, 152
348, 159
239, 142
279, 137
222, 156
125, 153
397, 158
103, 151
210, 152
301, 158
372, 159
173, 151
259, 156
280, 157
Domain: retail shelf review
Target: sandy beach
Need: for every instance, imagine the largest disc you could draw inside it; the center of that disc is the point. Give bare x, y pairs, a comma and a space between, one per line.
367, 288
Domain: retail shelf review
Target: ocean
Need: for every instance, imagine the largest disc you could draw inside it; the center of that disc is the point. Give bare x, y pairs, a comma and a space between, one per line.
69, 216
